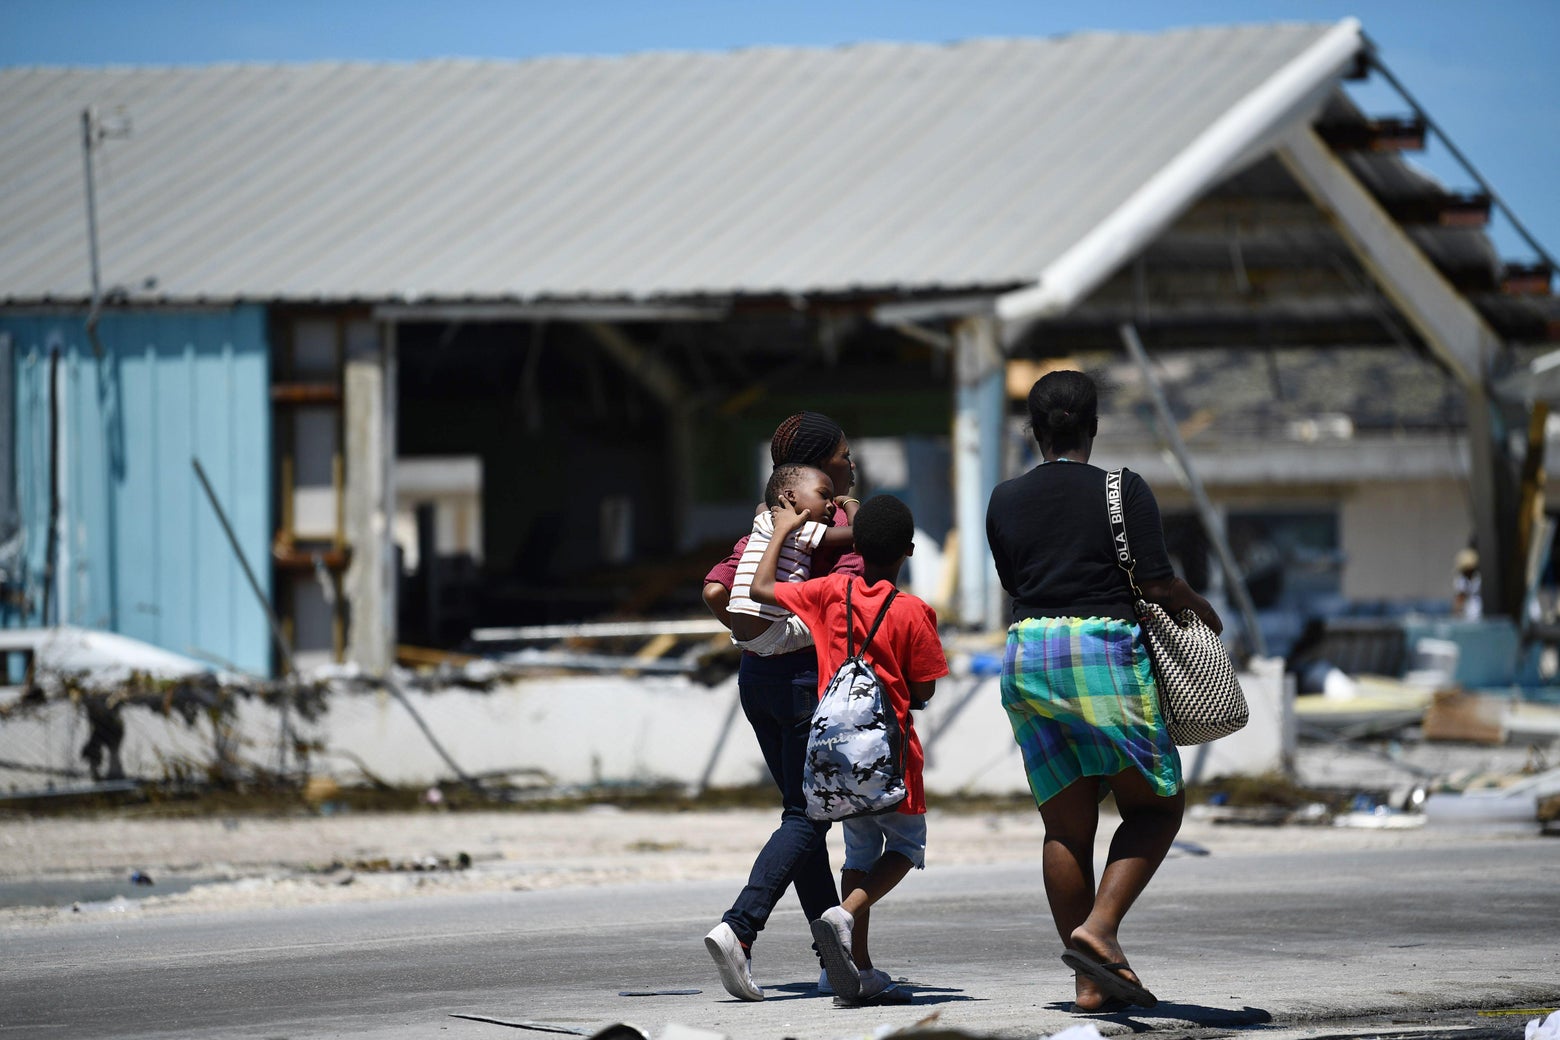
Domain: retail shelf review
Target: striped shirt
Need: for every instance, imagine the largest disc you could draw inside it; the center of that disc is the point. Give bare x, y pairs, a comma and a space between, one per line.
795, 564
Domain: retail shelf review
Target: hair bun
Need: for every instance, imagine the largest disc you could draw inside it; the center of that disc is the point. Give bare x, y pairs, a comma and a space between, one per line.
806, 437
1063, 407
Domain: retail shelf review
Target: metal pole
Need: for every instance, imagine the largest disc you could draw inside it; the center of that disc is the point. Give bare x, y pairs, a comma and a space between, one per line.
254, 585
1234, 579
399, 694
720, 743
51, 545
265, 605
88, 142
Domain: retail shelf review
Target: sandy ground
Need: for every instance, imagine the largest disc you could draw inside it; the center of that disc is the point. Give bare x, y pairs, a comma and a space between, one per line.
251, 863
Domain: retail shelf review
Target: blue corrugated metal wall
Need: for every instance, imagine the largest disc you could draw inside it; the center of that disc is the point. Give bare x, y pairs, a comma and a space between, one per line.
141, 550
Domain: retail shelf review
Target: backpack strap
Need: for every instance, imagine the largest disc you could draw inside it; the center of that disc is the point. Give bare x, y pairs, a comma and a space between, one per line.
1116, 510
873, 630
850, 625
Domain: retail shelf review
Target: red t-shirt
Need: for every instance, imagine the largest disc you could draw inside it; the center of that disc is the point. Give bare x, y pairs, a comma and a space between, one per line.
905, 649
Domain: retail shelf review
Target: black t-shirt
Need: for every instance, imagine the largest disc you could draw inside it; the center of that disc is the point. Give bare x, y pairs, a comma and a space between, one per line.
1051, 539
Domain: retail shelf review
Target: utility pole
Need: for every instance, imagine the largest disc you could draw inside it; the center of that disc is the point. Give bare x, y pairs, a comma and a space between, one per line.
94, 130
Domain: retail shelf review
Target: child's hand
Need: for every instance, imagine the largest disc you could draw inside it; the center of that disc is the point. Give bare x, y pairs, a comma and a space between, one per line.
788, 518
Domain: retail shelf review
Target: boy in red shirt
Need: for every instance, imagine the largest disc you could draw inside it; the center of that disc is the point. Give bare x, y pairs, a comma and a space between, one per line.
908, 657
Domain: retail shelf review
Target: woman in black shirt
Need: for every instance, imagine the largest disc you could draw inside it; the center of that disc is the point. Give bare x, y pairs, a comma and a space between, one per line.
1077, 684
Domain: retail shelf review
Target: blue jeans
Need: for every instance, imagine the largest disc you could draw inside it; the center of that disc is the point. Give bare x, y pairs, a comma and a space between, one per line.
778, 696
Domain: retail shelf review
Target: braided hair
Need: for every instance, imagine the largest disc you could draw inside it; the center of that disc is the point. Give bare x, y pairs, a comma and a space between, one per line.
1063, 409
808, 438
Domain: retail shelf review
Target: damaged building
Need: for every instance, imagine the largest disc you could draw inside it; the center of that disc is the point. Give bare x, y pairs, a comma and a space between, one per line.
406, 351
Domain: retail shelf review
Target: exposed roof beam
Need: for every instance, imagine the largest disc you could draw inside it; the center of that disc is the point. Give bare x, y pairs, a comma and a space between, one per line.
1449, 209
1182, 281
1068, 336
939, 341
909, 311
1526, 279
598, 630
1319, 309
1292, 93
1508, 279
1217, 215
1453, 329
1375, 135
1283, 468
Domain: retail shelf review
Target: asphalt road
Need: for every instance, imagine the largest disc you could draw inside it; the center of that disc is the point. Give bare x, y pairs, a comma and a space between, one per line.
1289, 944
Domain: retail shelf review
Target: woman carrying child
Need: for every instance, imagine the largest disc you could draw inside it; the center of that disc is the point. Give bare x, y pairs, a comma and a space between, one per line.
778, 690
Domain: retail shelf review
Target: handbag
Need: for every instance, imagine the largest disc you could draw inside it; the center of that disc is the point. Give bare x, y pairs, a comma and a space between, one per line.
1199, 693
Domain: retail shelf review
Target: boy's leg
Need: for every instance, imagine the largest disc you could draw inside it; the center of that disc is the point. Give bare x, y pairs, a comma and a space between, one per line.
859, 909
860, 889
833, 931
879, 852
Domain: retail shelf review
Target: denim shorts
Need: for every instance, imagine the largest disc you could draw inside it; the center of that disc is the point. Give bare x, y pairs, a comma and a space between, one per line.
868, 837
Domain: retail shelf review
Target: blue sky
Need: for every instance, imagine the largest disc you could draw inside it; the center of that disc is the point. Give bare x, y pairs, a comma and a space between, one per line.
1485, 72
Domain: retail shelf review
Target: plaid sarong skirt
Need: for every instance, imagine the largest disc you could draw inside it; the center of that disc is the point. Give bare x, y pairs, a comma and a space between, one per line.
1081, 698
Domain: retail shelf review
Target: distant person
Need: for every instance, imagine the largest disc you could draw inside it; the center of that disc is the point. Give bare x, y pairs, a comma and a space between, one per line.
1077, 684
907, 655
778, 693
1467, 600
107, 733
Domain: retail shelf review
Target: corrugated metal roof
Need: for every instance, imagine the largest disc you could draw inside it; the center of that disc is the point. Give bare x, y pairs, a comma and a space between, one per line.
881, 167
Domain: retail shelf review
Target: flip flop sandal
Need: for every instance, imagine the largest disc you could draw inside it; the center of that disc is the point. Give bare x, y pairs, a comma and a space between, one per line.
1110, 979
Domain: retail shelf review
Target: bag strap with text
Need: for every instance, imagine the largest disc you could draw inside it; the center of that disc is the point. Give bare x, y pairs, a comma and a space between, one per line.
1116, 510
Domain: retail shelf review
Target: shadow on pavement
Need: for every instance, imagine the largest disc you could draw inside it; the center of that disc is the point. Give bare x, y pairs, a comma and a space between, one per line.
920, 996
1194, 1014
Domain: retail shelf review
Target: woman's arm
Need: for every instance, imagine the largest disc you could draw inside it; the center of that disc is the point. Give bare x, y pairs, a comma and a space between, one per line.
837, 538
840, 536
997, 544
716, 597
1175, 595
838, 558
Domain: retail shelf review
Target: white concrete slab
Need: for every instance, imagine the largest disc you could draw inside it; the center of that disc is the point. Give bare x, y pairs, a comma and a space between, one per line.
587, 730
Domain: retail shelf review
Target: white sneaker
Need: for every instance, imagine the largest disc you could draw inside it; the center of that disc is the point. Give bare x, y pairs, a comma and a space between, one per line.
832, 933
874, 982
736, 967
824, 989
